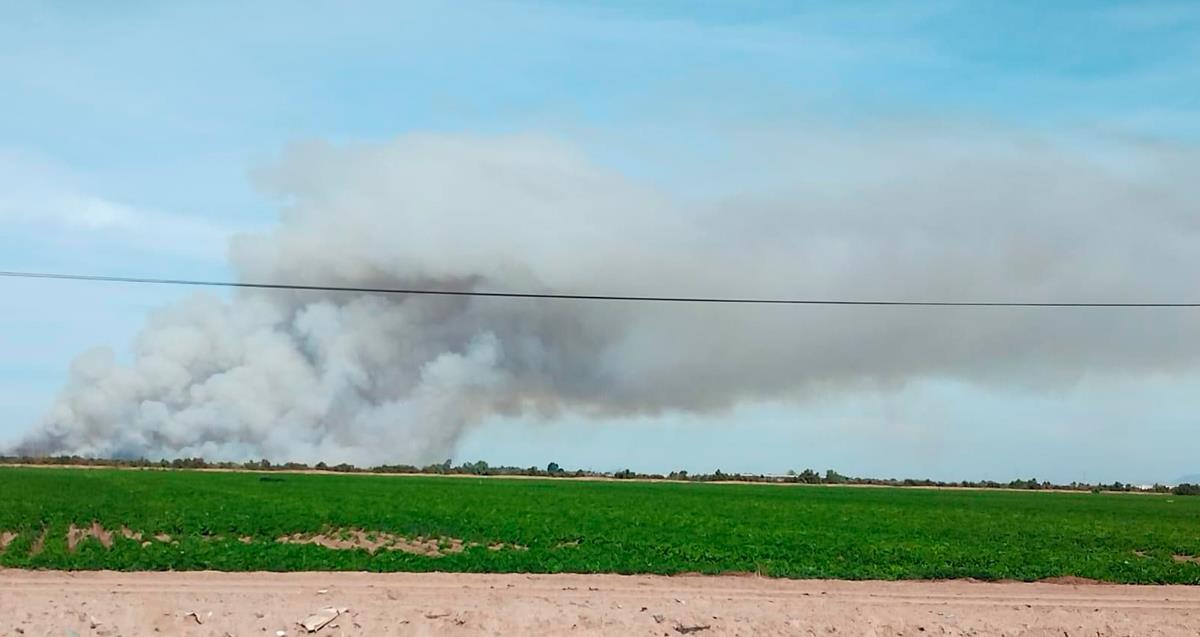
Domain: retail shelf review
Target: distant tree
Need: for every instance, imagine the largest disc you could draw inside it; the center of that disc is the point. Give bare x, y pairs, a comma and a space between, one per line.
553, 468
1186, 488
479, 468
833, 477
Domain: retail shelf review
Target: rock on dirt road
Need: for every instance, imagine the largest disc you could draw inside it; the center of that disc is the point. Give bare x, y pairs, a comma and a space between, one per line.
37, 603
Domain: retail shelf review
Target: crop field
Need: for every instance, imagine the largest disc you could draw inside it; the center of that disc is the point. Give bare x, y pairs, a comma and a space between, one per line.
184, 520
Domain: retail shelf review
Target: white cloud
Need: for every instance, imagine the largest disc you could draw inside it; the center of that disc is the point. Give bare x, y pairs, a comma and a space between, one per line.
50, 212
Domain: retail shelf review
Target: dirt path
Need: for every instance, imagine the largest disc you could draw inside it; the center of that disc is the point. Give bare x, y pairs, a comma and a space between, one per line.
36, 603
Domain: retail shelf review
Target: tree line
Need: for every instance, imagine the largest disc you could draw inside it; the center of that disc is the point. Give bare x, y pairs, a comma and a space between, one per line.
553, 470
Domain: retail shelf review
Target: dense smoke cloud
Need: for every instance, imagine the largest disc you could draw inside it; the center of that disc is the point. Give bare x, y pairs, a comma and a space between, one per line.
373, 379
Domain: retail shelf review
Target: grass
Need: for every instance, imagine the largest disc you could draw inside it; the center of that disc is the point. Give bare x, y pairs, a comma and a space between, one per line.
594, 526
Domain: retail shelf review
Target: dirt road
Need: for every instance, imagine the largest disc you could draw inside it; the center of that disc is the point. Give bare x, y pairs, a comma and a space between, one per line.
245, 604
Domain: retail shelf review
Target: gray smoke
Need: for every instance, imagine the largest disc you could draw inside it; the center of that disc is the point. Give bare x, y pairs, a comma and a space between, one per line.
372, 379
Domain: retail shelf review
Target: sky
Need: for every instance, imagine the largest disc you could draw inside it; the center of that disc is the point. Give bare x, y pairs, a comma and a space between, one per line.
137, 139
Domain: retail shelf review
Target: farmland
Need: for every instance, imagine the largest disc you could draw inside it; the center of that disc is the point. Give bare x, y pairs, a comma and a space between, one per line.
188, 520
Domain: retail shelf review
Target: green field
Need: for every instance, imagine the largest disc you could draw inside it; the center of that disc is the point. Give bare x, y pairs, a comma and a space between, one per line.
232, 521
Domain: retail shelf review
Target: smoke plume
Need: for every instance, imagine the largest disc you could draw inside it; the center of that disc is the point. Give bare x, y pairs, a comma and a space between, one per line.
382, 379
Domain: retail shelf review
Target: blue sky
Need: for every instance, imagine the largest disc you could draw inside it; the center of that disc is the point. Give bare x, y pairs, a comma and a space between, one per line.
132, 133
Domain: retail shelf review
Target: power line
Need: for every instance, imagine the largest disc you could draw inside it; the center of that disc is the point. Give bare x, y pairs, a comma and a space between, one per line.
578, 297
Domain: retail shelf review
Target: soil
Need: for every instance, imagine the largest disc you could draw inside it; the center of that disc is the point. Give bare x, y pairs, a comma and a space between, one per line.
207, 603
39, 544
372, 541
75, 535
348, 539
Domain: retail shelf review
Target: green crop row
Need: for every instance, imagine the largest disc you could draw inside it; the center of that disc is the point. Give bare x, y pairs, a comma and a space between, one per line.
233, 521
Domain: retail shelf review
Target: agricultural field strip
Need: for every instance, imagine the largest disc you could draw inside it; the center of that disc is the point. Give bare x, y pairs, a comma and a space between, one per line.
240, 521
